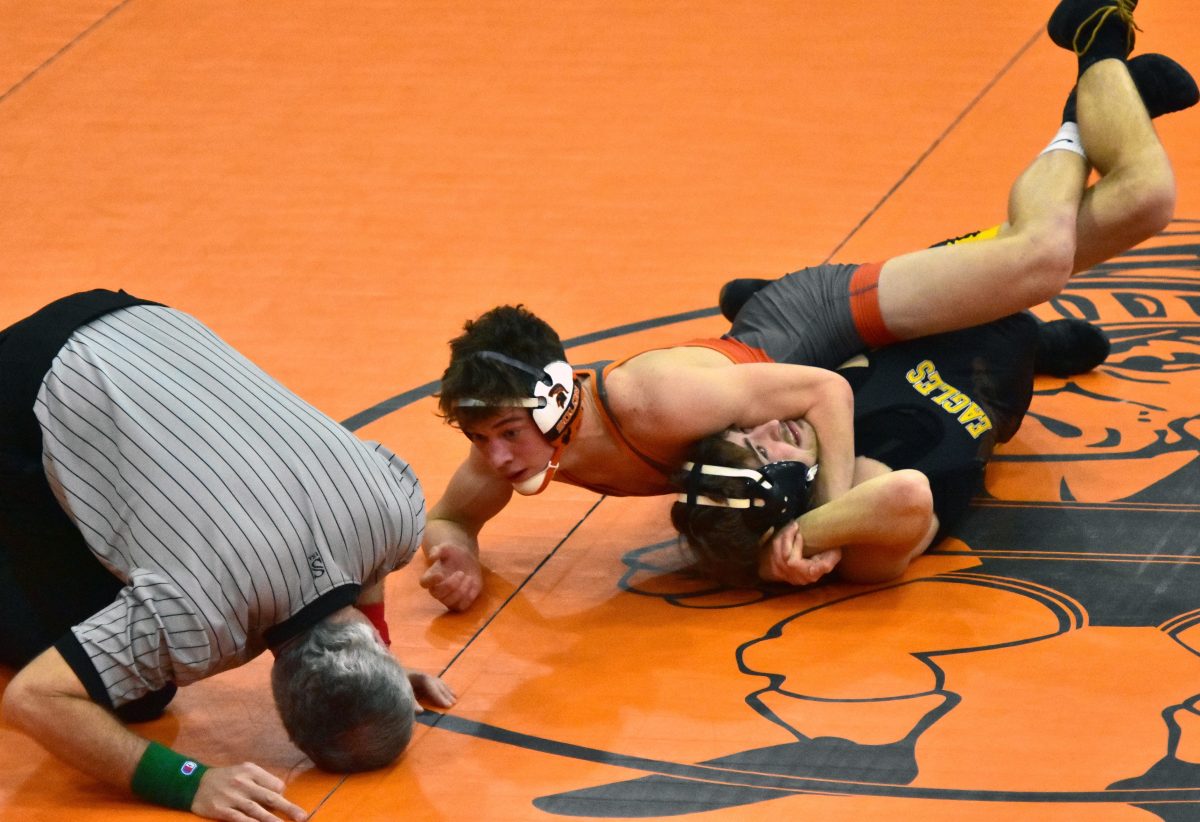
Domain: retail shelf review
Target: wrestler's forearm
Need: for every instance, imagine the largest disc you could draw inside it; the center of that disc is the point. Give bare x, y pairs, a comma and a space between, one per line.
448, 532
474, 495
832, 420
891, 511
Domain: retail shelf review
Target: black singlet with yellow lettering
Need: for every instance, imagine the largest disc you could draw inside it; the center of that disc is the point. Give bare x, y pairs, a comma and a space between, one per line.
940, 404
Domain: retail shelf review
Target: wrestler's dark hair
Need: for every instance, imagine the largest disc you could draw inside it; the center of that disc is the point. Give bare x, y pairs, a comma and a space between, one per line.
511, 330
719, 541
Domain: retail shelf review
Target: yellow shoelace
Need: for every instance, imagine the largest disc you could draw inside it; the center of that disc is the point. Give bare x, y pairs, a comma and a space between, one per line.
1121, 8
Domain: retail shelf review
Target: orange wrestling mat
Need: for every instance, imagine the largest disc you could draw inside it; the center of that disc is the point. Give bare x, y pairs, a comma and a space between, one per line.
334, 188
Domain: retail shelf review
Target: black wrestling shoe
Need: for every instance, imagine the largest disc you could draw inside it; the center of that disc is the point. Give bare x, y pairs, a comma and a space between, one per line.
1081, 25
1069, 347
1165, 86
735, 293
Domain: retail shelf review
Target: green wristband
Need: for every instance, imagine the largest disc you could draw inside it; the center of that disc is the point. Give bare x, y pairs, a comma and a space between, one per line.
166, 778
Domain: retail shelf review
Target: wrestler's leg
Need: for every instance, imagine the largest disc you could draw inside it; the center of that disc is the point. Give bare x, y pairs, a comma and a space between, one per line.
1135, 196
1110, 219
1107, 223
955, 286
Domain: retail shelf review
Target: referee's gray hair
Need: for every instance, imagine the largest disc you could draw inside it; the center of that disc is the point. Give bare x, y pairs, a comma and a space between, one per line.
344, 700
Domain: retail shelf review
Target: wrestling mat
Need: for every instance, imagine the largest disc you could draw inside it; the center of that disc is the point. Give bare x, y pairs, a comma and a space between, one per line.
335, 188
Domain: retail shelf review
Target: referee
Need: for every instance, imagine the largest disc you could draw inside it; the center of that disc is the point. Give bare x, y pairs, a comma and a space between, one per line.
169, 511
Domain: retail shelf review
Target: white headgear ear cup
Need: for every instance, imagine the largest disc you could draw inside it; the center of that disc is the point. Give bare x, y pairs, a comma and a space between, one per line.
555, 394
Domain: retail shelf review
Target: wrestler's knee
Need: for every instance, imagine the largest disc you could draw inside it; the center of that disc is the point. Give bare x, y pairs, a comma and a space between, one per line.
910, 501
1045, 262
1143, 190
1150, 202
905, 507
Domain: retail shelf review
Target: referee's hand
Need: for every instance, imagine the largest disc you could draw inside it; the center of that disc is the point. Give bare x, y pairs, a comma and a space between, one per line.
431, 689
240, 793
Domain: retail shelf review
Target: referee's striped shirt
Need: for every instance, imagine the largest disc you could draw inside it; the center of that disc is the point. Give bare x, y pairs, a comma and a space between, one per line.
223, 501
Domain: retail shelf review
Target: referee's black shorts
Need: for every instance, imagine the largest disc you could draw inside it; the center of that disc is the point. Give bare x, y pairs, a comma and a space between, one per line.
49, 579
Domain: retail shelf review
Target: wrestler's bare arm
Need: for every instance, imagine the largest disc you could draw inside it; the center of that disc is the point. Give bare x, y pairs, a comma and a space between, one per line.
884, 521
47, 701
475, 495
673, 405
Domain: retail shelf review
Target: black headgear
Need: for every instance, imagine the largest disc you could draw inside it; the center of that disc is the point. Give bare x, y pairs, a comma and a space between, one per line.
771, 495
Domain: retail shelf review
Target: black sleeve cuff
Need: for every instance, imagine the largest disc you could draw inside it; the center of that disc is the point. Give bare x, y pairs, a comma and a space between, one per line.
312, 613
84, 668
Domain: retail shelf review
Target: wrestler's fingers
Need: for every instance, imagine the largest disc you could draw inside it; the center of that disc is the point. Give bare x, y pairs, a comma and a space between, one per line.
460, 591
828, 560
783, 544
448, 587
807, 570
432, 577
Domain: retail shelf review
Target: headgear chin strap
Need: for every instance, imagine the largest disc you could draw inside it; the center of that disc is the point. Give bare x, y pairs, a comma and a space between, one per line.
554, 406
771, 496
538, 482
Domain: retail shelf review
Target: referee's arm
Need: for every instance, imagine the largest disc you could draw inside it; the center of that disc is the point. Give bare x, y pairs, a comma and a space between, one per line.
48, 701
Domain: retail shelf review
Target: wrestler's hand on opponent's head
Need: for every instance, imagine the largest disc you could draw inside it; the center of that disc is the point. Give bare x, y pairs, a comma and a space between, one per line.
454, 576
244, 791
783, 558
431, 689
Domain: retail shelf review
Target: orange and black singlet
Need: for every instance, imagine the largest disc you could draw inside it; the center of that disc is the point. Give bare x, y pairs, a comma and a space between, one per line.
821, 316
648, 473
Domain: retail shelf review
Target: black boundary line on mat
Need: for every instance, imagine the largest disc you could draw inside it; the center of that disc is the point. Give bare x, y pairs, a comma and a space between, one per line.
938, 140
329, 794
70, 43
735, 777
549, 555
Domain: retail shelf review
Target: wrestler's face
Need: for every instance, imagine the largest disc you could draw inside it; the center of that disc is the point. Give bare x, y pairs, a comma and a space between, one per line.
512, 445
778, 441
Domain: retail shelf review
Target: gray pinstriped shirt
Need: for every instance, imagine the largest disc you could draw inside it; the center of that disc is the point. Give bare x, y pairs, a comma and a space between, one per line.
223, 501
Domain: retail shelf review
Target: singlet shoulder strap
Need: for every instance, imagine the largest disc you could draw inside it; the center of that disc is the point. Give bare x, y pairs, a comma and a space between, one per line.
597, 372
